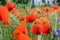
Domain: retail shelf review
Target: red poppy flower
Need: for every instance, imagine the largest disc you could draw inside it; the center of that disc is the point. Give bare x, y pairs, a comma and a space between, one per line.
31, 17
38, 12
22, 36
46, 9
15, 11
46, 29
20, 28
44, 21
10, 5
22, 18
36, 29
41, 27
55, 7
4, 15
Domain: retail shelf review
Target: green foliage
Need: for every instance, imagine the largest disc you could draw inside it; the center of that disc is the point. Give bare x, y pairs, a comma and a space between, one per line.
21, 1
3, 2
15, 1
23, 6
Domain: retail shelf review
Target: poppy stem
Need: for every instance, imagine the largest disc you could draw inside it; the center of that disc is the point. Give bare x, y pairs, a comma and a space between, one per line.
40, 37
55, 21
14, 19
58, 38
1, 35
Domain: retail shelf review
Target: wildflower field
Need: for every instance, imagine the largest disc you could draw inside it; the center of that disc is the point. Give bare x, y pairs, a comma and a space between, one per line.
38, 23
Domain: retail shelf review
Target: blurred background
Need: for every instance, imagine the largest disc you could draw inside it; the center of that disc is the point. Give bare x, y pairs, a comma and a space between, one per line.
22, 10
33, 2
